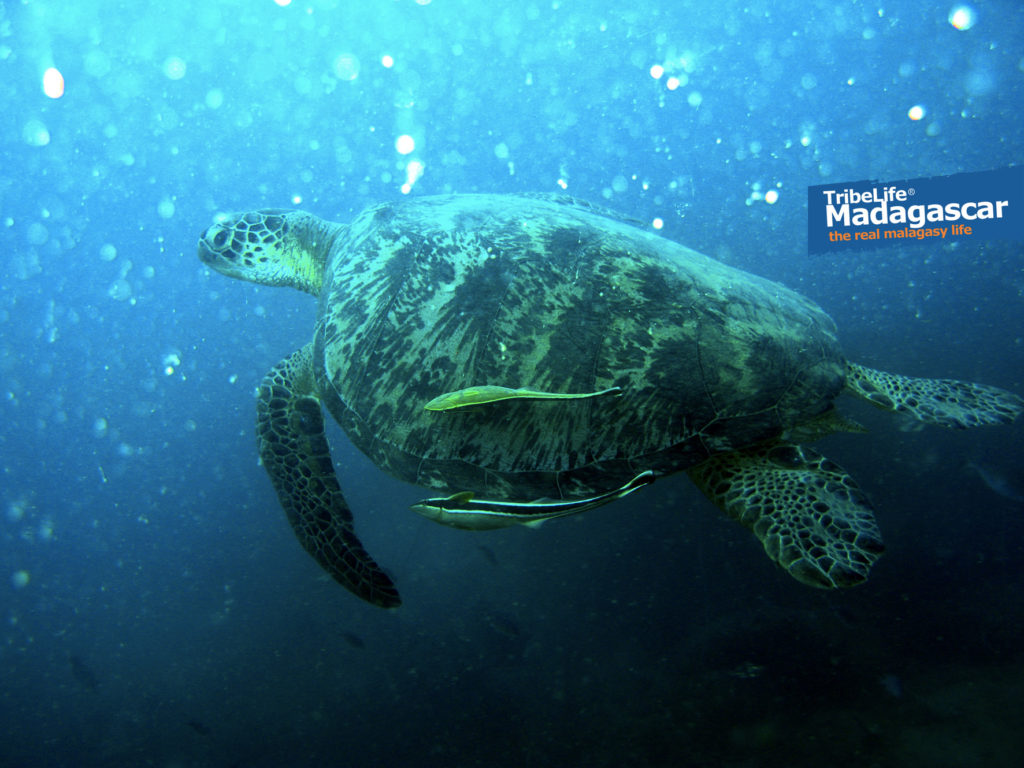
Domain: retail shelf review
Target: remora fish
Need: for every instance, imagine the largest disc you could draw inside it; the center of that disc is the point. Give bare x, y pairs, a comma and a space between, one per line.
461, 510
489, 393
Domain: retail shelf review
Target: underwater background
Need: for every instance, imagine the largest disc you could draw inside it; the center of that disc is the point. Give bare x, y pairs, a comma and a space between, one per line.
156, 607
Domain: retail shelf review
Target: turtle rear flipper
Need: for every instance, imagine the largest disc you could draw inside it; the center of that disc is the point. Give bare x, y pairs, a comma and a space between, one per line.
294, 450
810, 515
947, 402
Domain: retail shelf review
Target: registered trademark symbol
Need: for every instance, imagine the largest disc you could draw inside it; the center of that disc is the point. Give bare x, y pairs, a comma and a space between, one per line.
910, 191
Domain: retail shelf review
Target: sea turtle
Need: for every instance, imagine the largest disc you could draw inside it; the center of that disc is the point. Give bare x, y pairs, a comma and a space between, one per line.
536, 356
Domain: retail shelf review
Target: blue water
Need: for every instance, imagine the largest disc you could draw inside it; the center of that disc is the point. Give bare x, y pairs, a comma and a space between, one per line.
156, 608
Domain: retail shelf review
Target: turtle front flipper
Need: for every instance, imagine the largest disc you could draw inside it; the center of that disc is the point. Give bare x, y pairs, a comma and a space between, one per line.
810, 515
947, 402
294, 450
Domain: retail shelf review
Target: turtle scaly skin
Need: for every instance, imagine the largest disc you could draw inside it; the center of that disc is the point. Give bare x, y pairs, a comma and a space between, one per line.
503, 349
294, 450
824, 535
946, 402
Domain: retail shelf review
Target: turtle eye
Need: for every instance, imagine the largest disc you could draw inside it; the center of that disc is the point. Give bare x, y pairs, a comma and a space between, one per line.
220, 239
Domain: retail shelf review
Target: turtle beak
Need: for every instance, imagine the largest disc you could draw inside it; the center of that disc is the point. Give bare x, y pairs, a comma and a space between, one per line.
205, 254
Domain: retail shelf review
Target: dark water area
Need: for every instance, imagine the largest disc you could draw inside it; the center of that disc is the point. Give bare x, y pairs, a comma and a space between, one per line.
156, 608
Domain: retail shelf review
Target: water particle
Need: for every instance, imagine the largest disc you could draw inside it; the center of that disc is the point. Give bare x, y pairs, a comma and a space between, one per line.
346, 67
120, 290
174, 67
35, 133
37, 233
214, 98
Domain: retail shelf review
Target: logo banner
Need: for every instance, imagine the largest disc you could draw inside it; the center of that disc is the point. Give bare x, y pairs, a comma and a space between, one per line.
868, 214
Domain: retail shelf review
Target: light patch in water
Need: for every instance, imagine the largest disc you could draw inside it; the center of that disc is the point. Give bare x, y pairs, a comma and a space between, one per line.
405, 144
413, 172
962, 17
53, 83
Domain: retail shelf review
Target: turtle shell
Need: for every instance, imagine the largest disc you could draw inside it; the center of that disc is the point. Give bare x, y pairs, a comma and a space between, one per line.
437, 294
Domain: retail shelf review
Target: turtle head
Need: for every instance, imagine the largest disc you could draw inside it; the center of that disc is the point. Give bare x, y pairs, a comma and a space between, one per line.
270, 247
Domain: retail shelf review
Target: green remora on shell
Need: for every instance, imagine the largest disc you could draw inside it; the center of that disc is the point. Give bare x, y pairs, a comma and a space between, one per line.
489, 393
